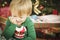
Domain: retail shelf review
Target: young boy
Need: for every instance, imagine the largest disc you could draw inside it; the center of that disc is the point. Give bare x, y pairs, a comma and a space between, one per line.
19, 26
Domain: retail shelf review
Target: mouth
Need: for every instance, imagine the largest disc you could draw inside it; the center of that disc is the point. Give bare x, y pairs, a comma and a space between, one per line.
18, 21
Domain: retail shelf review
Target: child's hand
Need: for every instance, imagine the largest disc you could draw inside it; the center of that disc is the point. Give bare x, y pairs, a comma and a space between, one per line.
17, 20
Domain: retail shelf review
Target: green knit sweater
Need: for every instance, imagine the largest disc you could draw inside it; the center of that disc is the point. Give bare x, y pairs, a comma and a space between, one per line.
10, 30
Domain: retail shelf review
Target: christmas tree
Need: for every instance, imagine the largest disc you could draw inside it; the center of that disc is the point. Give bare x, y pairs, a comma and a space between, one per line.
4, 3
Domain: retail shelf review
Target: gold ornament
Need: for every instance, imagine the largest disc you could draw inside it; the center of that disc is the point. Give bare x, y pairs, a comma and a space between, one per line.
36, 4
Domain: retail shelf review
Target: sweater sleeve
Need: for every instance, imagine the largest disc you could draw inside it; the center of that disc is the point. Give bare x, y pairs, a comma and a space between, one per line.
7, 24
31, 30
6, 27
9, 30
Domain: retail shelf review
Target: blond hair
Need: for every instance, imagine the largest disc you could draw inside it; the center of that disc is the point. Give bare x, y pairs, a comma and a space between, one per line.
22, 7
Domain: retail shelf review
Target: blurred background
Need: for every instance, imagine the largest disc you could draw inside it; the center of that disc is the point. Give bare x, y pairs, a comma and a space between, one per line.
43, 13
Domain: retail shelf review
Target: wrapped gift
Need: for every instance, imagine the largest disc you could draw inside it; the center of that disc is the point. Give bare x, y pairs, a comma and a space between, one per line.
48, 25
4, 13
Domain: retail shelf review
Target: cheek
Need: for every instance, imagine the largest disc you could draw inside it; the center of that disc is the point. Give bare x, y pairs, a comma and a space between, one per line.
24, 19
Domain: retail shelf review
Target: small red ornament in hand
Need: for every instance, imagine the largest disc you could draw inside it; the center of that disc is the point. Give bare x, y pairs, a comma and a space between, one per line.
20, 32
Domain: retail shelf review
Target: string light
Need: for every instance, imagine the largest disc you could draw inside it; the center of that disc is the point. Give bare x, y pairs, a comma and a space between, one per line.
5, 2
